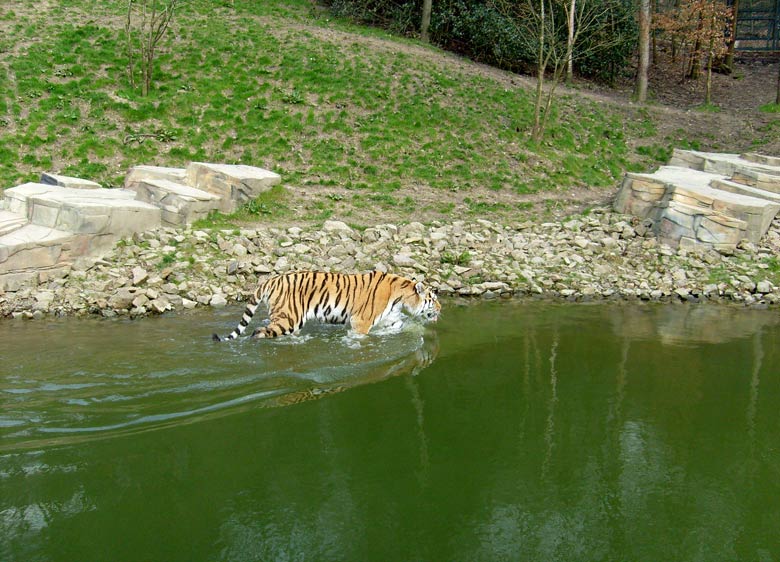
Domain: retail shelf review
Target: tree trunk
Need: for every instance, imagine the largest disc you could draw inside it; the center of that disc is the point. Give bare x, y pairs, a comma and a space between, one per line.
570, 43
653, 52
695, 68
130, 49
536, 132
644, 51
708, 86
733, 38
777, 98
675, 7
426, 20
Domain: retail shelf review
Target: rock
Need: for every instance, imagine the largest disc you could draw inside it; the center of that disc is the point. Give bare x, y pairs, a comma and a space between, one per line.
403, 260
764, 287
160, 305
44, 299
336, 226
608, 242
586, 257
122, 299
581, 242
682, 292
139, 275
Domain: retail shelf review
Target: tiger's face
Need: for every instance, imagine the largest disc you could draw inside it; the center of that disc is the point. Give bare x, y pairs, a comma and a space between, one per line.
428, 305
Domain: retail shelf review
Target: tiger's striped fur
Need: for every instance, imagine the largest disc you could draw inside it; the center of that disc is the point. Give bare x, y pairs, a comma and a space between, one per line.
364, 300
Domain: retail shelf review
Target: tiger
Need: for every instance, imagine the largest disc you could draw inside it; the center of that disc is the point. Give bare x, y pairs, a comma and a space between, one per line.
364, 300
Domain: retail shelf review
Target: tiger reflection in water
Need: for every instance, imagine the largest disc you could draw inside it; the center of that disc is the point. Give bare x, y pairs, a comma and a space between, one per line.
412, 364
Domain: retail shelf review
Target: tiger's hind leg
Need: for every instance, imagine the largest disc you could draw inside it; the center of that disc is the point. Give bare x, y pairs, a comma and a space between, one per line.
280, 325
249, 312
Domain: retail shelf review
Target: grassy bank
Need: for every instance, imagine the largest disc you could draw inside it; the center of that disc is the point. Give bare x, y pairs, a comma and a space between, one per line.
361, 121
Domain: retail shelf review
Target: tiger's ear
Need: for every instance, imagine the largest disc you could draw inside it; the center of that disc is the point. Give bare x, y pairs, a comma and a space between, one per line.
420, 288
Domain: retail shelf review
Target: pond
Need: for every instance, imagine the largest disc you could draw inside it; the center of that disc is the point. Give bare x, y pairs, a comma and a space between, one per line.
506, 431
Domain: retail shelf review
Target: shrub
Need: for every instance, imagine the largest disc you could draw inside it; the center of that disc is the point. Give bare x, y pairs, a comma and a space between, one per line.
480, 32
608, 50
476, 29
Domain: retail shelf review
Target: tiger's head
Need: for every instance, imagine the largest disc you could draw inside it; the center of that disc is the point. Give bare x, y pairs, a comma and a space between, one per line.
425, 303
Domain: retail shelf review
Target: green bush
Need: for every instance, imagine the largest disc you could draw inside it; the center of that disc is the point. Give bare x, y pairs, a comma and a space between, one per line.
477, 30
401, 16
608, 49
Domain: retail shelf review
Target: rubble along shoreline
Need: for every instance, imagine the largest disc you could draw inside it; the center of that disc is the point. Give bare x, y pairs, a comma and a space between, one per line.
601, 255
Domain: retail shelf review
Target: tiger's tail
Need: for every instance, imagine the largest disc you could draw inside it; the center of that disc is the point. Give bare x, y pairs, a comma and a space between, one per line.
246, 318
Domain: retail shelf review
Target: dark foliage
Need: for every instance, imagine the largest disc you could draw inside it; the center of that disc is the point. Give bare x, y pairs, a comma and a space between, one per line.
477, 30
606, 52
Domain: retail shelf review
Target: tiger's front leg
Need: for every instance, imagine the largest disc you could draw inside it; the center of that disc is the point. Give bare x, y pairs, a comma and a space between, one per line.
360, 325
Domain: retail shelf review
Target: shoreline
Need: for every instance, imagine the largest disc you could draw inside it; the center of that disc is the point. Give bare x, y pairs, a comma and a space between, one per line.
598, 256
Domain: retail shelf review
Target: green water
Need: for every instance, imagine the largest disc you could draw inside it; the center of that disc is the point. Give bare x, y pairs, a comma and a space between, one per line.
507, 431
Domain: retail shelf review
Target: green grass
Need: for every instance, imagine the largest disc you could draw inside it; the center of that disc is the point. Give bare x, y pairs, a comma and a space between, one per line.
254, 83
708, 108
718, 274
269, 205
656, 152
462, 258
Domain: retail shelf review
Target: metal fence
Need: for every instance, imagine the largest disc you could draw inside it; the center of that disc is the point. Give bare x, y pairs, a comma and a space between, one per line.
758, 25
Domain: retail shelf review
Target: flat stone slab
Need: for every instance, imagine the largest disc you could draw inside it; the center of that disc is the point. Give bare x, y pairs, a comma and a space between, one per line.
236, 184
99, 215
743, 189
700, 186
758, 179
677, 221
685, 204
725, 164
82, 211
180, 204
141, 173
68, 181
45, 225
11, 221
32, 247
762, 159
17, 198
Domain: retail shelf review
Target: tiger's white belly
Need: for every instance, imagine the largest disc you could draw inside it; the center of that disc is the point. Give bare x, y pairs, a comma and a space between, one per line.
329, 314
392, 317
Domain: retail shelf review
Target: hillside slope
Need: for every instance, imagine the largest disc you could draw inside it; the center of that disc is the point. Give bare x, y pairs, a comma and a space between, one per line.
361, 126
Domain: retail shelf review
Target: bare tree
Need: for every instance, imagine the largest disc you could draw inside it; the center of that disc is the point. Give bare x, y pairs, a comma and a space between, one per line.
571, 11
716, 19
699, 28
644, 51
426, 19
146, 24
553, 39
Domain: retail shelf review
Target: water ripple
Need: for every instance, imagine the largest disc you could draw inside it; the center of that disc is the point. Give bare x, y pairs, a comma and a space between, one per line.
127, 376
